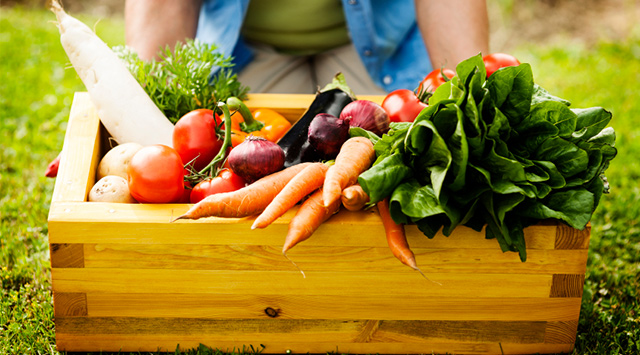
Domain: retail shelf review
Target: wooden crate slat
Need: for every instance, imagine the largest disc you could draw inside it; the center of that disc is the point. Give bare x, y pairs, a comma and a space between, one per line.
80, 152
70, 304
169, 343
383, 307
351, 284
265, 257
114, 223
66, 255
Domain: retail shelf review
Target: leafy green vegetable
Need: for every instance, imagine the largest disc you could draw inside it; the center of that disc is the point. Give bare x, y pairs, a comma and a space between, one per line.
501, 153
181, 80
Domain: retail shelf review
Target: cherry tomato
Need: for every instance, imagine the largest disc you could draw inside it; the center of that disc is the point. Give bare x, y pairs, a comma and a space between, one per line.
226, 181
435, 79
402, 105
496, 61
156, 175
195, 137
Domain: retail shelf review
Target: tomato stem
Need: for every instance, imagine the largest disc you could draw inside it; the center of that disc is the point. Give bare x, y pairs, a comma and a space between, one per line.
214, 166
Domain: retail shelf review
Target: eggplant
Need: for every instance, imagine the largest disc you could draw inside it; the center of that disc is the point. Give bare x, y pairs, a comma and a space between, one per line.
295, 143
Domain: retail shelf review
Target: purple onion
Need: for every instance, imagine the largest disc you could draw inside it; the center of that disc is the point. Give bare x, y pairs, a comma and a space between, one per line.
367, 115
255, 158
327, 133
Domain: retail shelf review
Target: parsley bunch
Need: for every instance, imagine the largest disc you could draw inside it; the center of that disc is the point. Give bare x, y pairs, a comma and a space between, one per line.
181, 80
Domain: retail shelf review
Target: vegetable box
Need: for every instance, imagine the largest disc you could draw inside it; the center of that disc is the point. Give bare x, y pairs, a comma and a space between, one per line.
125, 278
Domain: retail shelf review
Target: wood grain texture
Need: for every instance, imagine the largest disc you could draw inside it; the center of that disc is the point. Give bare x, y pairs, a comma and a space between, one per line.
80, 152
561, 332
567, 285
66, 255
131, 334
111, 223
70, 304
168, 343
367, 307
571, 238
348, 284
315, 330
356, 259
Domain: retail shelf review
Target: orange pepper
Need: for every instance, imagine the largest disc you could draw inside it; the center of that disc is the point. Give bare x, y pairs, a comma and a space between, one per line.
262, 122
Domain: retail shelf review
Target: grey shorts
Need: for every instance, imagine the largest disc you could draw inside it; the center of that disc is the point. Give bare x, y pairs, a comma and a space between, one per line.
274, 72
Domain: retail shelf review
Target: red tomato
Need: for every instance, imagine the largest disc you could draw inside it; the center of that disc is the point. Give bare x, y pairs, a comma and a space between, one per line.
195, 137
496, 61
156, 175
402, 105
226, 181
435, 79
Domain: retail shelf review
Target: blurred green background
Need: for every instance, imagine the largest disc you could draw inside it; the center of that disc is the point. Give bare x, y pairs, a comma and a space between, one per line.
585, 51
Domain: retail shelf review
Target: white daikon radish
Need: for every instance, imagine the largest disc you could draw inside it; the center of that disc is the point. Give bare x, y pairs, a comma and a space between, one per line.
123, 106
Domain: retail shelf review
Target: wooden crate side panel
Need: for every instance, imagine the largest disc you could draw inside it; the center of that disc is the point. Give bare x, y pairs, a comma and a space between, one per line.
386, 307
80, 153
315, 336
319, 258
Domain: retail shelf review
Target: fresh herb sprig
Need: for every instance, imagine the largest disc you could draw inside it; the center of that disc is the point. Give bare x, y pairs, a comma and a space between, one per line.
181, 79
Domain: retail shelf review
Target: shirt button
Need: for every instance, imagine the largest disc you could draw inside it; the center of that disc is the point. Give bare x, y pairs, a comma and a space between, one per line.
367, 52
387, 79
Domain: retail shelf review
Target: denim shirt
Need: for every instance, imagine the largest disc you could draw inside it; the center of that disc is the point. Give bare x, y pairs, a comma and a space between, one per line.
384, 33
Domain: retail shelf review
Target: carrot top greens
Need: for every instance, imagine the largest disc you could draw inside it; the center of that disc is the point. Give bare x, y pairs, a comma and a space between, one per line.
192, 76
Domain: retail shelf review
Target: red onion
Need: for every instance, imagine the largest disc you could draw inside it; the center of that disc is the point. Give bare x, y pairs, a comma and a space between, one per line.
327, 133
368, 115
256, 157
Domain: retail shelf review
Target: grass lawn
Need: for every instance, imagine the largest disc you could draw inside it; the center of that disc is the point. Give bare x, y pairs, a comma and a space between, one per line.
36, 88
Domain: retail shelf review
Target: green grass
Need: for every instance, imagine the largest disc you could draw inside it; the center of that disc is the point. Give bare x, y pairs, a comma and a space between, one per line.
36, 88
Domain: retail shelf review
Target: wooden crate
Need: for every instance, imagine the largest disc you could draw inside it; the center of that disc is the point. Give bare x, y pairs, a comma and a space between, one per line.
125, 278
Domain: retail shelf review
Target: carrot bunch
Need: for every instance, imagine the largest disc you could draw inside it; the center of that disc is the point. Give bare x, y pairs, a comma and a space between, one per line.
320, 189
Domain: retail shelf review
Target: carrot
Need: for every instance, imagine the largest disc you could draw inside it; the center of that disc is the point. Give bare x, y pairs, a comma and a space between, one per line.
356, 155
354, 198
123, 106
310, 216
397, 239
304, 183
247, 201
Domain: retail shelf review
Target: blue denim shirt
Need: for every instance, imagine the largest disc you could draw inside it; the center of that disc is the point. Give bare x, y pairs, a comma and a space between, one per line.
384, 33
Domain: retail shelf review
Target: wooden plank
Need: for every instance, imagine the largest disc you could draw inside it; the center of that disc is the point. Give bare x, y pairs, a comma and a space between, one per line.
70, 304
561, 332
567, 285
168, 343
356, 259
150, 224
80, 152
379, 307
571, 238
66, 255
311, 330
407, 283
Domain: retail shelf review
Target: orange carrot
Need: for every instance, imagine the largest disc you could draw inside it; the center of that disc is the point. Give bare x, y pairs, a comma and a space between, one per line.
356, 155
354, 198
397, 239
247, 201
309, 217
304, 183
